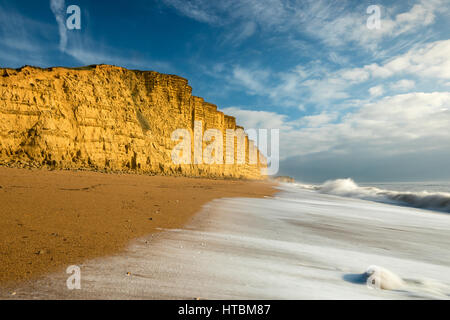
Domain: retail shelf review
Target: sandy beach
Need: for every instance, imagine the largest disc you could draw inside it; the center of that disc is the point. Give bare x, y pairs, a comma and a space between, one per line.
52, 219
297, 244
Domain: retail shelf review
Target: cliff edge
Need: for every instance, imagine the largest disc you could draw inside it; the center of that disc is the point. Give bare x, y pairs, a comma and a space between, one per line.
106, 118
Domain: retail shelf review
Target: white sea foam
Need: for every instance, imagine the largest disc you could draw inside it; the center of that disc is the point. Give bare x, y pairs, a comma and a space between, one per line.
439, 201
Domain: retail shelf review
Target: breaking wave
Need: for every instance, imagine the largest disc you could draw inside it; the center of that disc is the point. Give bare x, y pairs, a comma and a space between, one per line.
439, 201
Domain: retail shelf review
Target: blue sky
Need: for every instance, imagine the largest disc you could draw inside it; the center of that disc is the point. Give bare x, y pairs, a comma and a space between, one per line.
372, 104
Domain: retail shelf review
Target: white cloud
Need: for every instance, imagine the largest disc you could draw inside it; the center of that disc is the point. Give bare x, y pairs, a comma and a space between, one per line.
253, 80
376, 91
336, 23
403, 85
392, 125
421, 14
338, 59
87, 51
58, 8
21, 39
28, 41
338, 26
354, 75
431, 60
258, 119
197, 10
318, 120
242, 33
266, 13
316, 84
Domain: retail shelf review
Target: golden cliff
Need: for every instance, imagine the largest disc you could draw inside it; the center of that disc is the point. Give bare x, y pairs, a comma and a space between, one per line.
106, 118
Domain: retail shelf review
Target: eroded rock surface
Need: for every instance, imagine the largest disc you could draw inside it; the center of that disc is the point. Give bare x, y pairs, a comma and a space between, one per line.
105, 118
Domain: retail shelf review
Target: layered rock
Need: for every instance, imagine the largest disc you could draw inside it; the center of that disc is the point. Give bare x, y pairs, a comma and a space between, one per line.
106, 118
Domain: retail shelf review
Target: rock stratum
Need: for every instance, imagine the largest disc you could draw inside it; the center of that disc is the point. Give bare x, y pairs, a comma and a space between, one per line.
107, 118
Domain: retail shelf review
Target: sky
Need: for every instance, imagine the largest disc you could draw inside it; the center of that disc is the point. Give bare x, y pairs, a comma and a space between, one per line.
372, 104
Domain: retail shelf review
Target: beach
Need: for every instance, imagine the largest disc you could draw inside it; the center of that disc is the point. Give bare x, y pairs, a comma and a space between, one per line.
296, 244
53, 219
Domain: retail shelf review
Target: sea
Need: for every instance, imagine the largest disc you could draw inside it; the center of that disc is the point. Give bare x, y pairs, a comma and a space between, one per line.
425, 195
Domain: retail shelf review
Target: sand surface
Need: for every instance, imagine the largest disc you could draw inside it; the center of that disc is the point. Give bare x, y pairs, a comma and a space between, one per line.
52, 219
298, 244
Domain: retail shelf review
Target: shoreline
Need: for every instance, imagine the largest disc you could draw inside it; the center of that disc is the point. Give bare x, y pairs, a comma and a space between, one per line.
53, 219
299, 244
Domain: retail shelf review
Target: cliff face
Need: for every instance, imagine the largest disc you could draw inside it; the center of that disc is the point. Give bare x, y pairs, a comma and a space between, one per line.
105, 118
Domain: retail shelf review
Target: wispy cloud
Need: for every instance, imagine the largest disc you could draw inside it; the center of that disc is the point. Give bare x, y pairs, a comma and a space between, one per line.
58, 8
267, 13
88, 52
335, 23
29, 41
317, 84
343, 26
198, 10
253, 80
22, 38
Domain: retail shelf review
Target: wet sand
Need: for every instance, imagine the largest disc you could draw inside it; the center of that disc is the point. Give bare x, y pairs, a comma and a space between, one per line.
53, 219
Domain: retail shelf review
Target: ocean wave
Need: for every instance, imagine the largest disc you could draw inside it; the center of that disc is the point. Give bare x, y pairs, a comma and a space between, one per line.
439, 201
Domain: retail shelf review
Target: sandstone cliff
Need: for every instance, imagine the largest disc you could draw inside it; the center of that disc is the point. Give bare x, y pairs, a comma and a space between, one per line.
105, 118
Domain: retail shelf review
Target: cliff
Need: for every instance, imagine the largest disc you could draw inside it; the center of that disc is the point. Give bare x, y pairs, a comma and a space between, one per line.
106, 118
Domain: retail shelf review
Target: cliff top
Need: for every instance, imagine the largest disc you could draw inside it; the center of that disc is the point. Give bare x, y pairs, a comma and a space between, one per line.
27, 69
90, 67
